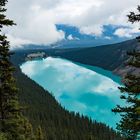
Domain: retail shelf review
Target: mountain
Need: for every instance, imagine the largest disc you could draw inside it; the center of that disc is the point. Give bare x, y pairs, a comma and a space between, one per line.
110, 57
75, 39
67, 44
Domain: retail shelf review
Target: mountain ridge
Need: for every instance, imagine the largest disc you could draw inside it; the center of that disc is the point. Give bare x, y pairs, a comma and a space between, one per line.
110, 57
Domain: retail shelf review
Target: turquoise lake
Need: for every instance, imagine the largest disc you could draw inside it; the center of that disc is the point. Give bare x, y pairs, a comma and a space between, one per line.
89, 90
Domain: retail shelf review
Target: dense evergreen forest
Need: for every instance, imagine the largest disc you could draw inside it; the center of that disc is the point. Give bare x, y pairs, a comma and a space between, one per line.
13, 124
56, 123
129, 125
108, 57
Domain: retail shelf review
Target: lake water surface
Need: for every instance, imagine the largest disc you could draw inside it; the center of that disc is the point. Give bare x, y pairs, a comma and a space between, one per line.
89, 90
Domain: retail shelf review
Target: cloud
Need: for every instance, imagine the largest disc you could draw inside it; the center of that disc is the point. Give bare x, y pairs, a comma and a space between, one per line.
36, 20
75, 105
33, 24
29, 68
108, 37
106, 87
17, 42
92, 30
126, 32
70, 37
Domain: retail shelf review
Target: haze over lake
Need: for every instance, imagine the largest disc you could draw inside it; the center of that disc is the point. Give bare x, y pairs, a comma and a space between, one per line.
77, 87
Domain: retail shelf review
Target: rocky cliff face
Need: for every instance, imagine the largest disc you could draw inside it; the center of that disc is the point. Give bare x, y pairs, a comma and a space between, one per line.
124, 68
121, 71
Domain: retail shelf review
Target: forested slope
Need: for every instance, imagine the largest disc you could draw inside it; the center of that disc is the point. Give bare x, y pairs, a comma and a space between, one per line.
110, 57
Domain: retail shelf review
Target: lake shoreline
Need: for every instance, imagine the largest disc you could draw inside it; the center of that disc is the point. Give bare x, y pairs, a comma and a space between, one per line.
77, 85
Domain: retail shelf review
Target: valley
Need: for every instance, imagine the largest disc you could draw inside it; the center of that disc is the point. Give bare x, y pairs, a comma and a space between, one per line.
90, 93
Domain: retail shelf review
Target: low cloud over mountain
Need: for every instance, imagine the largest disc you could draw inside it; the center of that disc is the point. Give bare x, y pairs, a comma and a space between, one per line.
39, 19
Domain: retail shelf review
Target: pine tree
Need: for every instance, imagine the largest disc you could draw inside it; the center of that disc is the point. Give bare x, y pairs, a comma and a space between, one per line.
12, 122
28, 130
39, 134
129, 125
2, 136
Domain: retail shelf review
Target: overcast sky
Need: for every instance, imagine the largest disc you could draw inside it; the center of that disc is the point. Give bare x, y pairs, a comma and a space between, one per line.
36, 19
